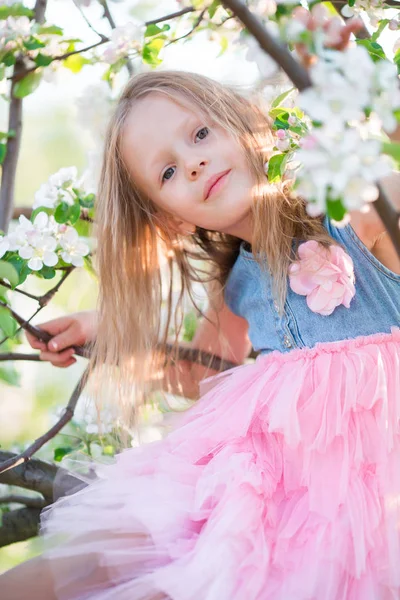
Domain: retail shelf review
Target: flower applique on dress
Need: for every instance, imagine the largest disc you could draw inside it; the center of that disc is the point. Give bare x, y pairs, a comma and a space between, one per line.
324, 275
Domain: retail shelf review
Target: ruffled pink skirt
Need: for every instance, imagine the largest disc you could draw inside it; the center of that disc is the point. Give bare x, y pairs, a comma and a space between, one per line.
281, 483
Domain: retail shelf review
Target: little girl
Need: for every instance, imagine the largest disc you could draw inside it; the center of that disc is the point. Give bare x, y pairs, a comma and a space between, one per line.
283, 481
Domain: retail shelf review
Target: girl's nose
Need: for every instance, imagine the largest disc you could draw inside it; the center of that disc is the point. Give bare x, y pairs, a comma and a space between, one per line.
195, 168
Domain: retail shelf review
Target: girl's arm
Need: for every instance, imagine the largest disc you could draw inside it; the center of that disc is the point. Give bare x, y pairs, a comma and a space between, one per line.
371, 231
228, 340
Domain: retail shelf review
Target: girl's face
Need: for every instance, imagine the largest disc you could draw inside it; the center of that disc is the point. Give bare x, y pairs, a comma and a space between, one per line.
193, 171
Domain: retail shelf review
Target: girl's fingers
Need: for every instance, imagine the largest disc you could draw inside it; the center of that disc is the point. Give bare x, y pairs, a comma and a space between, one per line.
34, 342
58, 359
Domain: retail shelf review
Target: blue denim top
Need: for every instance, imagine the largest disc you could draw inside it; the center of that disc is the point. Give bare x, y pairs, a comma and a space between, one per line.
375, 307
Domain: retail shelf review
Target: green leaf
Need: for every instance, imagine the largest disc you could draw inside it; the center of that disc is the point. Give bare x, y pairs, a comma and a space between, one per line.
62, 212
27, 85
281, 98
212, 9
83, 228
151, 51
393, 149
10, 375
396, 60
3, 293
276, 167
36, 211
75, 62
74, 213
3, 152
42, 60
87, 201
224, 43
47, 272
375, 50
351, 2
7, 323
33, 43
59, 453
7, 271
9, 59
21, 266
50, 30
155, 30
15, 10
335, 209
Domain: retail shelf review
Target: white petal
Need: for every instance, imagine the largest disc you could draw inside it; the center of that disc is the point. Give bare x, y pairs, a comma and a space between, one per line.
40, 221
26, 252
35, 264
77, 261
50, 259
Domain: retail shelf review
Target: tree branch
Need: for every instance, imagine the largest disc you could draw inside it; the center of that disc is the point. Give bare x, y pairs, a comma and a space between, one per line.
41, 441
25, 500
19, 525
10, 163
19, 356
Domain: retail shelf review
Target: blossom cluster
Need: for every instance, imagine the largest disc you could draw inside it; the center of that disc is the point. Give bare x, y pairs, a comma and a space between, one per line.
375, 9
43, 241
339, 161
13, 31
58, 188
124, 39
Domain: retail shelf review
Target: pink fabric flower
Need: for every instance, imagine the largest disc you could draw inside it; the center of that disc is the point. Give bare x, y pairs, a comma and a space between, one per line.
325, 276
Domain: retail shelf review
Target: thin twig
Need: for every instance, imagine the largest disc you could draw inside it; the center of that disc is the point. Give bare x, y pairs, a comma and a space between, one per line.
27, 294
88, 23
195, 26
45, 299
179, 13
109, 17
20, 75
41, 441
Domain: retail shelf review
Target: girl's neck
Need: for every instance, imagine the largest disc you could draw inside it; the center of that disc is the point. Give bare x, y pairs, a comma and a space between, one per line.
243, 229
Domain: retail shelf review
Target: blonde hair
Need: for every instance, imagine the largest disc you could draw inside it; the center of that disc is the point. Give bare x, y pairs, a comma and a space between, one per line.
131, 240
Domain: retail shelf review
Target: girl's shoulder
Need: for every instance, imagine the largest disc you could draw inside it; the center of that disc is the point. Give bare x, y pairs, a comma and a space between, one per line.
368, 244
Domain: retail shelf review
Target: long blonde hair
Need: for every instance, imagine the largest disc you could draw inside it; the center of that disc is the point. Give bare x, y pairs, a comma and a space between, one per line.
131, 241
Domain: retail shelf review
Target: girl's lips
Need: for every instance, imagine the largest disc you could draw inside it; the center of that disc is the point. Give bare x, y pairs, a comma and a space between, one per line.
215, 183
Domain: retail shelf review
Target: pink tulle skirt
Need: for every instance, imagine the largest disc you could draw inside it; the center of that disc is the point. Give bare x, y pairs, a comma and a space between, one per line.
281, 483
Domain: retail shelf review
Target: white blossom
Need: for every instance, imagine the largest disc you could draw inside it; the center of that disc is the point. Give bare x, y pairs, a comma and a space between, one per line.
73, 249
4, 245
40, 253
123, 39
57, 189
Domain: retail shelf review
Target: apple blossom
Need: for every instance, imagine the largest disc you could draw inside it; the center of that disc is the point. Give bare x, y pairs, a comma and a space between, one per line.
40, 253
73, 249
123, 39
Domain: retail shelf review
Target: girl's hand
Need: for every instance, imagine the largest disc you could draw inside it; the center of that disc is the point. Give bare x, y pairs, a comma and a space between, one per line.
72, 330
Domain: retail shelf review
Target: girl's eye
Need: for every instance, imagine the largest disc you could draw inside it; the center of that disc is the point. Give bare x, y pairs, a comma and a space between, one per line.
202, 133
168, 173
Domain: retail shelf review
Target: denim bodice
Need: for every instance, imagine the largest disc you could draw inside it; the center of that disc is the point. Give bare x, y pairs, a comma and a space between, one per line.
375, 307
